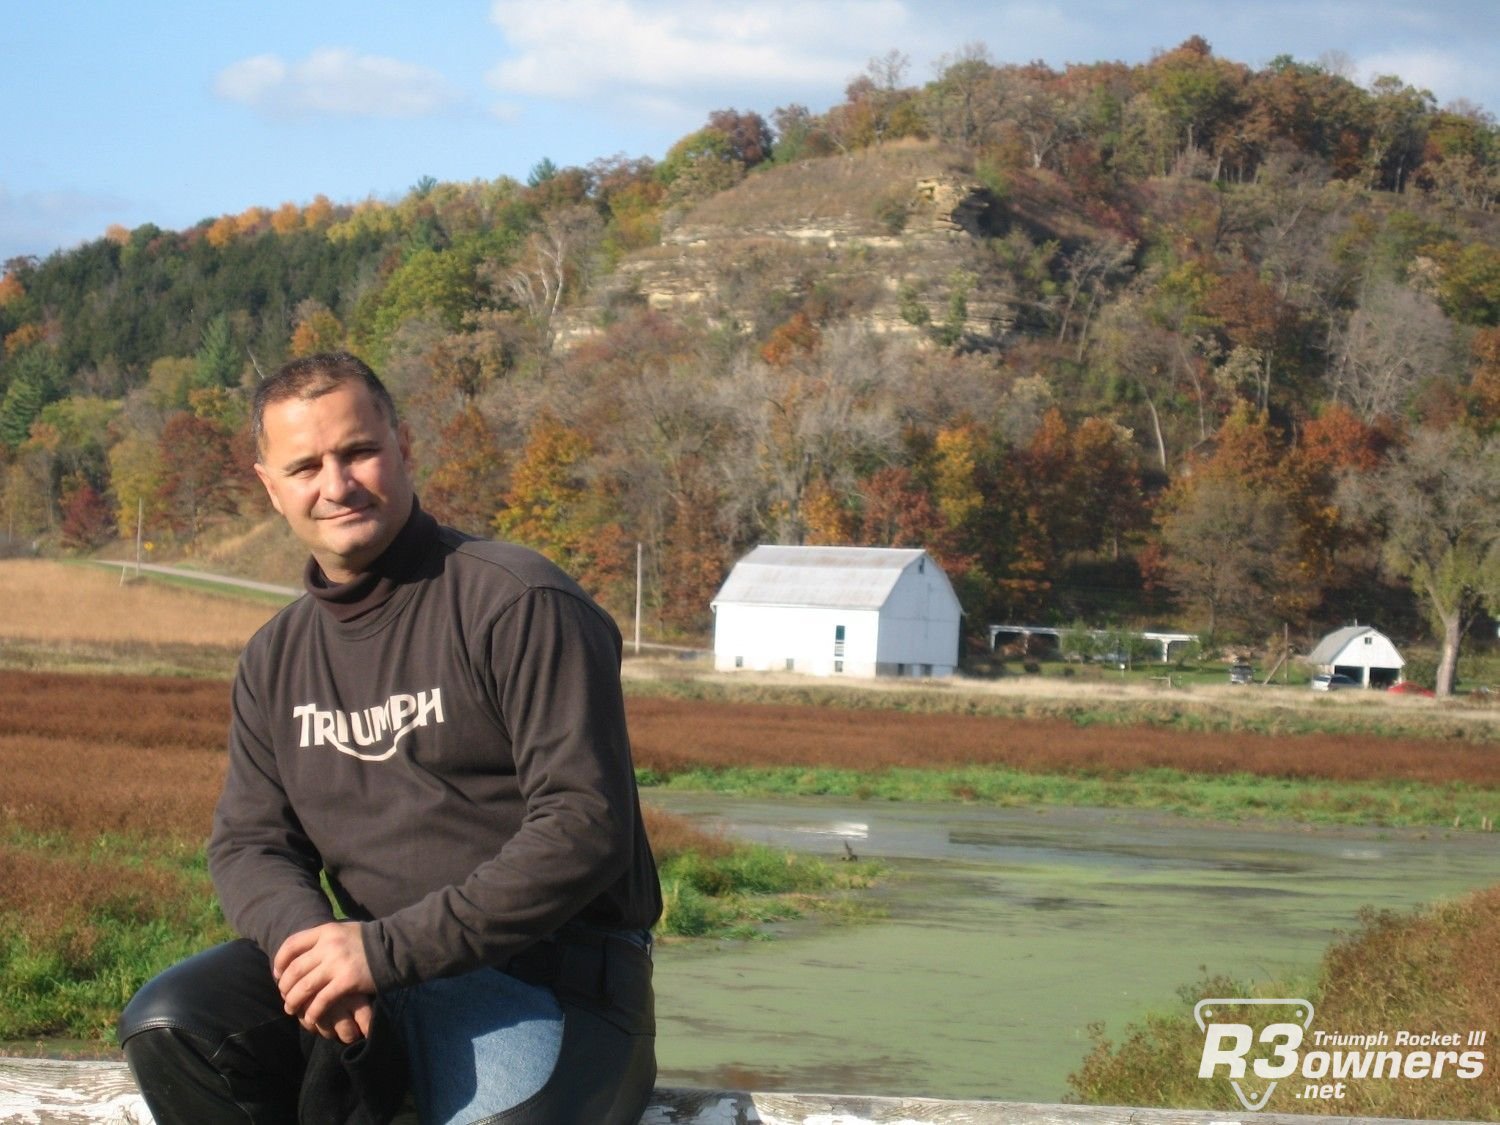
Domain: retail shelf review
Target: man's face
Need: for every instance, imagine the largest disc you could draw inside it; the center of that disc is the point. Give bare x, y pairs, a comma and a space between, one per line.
339, 474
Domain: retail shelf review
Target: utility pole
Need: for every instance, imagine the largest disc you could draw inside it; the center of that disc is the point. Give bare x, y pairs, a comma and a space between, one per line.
638, 549
140, 512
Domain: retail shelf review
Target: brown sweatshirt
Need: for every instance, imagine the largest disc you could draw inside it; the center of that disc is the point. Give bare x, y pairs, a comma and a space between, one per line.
445, 738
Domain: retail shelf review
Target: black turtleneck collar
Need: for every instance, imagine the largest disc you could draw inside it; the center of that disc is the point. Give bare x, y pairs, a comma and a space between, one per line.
399, 563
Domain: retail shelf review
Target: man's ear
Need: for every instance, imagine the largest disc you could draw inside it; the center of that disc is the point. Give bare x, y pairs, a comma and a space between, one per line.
403, 443
265, 479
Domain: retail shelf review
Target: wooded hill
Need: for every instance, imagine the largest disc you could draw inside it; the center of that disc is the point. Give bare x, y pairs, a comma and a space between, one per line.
1183, 340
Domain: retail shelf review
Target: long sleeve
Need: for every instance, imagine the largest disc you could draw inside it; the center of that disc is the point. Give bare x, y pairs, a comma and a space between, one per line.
264, 867
552, 669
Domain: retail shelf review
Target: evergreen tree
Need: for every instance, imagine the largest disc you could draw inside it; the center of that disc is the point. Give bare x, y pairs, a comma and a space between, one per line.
217, 358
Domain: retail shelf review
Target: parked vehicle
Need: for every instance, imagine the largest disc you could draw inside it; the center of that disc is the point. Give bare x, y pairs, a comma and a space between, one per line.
1335, 682
1409, 687
1241, 673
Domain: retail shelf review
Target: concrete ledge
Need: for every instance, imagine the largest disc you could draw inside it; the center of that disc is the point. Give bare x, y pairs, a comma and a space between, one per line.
51, 1092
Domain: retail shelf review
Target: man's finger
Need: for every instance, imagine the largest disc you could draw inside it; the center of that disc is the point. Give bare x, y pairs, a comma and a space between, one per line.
292, 948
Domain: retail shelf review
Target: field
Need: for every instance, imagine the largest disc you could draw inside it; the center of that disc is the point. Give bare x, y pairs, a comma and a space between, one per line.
108, 782
82, 617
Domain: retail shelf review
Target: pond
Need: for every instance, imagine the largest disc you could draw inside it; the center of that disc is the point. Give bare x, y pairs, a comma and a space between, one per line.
1007, 932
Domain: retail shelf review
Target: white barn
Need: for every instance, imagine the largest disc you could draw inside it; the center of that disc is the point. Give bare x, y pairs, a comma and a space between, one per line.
1361, 653
827, 611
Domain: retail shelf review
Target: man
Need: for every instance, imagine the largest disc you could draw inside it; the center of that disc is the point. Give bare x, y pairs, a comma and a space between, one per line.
437, 730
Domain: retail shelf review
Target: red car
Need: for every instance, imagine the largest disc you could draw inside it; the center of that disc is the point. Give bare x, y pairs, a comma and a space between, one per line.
1410, 687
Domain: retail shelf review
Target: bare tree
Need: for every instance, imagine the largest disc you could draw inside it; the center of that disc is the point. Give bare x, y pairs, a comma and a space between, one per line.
823, 418
1395, 338
1088, 269
1434, 503
1133, 350
557, 259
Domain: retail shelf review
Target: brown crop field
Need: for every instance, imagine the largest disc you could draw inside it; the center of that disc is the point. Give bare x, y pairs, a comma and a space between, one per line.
85, 756
58, 603
673, 735
142, 755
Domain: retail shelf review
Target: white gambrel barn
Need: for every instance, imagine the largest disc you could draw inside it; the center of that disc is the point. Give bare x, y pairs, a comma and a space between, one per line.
1361, 653
826, 611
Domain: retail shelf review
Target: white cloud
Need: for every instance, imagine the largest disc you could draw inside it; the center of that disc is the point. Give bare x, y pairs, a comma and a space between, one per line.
1445, 73
334, 82
653, 50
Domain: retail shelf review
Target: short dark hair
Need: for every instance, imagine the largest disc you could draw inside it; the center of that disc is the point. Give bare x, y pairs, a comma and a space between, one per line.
313, 376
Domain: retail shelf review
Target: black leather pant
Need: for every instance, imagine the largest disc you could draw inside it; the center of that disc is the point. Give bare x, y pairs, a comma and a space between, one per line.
209, 1043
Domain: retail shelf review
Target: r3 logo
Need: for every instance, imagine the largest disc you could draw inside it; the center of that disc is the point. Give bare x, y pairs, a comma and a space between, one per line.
1229, 1044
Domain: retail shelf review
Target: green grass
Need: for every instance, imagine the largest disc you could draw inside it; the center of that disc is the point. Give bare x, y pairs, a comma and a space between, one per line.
1228, 797
737, 894
68, 967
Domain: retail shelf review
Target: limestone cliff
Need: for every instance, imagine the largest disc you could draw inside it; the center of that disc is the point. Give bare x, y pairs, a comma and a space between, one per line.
898, 234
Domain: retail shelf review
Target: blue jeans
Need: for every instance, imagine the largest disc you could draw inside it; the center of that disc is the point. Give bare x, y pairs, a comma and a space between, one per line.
476, 1044
565, 1035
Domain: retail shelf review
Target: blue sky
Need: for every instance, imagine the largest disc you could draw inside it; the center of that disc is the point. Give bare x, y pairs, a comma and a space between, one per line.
170, 111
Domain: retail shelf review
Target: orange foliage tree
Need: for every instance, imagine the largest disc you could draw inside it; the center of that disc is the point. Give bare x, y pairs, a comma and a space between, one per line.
551, 507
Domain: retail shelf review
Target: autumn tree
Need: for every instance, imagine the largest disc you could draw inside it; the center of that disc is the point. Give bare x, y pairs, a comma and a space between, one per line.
876, 107
1484, 382
896, 511
466, 485
1198, 95
967, 98
1231, 536
87, 521
1398, 132
748, 135
200, 475
316, 330
135, 472
1229, 548
699, 165
551, 507
1433, 505
25, 499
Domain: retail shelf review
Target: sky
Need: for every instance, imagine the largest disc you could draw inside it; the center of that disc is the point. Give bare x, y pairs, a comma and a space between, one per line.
173, 111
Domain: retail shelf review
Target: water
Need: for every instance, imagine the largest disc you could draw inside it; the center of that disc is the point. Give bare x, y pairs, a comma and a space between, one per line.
1008, 931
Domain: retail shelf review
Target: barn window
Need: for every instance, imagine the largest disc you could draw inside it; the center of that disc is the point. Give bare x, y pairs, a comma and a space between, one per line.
838, 642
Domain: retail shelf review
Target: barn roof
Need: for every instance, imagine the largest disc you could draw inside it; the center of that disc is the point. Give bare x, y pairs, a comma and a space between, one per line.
837, 577
1328, 649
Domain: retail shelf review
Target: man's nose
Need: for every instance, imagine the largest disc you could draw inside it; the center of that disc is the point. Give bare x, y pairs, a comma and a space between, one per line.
338, 479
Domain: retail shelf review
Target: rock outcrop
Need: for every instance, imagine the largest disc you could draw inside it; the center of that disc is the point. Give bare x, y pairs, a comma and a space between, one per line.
901, 244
